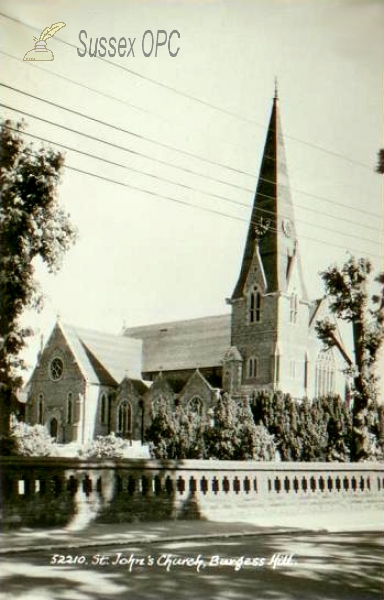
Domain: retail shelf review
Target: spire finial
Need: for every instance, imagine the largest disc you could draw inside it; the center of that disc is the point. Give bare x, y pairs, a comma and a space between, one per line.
276, 95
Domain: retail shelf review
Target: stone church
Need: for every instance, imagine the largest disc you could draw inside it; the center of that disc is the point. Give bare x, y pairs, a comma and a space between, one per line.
88, 383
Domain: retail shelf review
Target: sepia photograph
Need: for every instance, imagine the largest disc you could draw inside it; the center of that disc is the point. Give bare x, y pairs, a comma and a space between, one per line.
191, 299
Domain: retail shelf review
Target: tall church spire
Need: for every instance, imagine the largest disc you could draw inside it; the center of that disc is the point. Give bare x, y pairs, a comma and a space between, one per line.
272, 230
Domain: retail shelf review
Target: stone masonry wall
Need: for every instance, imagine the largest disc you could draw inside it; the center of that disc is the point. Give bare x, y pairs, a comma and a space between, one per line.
55, 393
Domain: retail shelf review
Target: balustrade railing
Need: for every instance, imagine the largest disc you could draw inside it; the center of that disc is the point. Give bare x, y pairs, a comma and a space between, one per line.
138, 485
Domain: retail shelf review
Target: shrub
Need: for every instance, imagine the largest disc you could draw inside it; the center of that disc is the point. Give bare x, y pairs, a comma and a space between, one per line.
31, 440
104, 446
175, 435
234, 435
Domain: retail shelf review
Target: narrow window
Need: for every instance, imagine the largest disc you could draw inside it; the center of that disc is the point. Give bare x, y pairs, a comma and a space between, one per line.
306, 372
69, 408
124, 424
255, 306
252, 367
104, 409
40, 410
293, 308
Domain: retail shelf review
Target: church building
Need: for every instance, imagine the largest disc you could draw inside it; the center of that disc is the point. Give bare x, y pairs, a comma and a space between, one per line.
89, 383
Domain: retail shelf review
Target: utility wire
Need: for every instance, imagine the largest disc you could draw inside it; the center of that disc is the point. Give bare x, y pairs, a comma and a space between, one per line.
244, 205
78, 113
157, 177
125, 149
139, 108
178, 201
127, 167
127, 131
190, 205
195, 98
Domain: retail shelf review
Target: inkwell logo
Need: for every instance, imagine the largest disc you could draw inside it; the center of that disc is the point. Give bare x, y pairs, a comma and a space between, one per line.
40, 51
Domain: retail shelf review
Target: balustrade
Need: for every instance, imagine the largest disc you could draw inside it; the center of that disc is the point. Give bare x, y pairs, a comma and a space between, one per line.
211, 483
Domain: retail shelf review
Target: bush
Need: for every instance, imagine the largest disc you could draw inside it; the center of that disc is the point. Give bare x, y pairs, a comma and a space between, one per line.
104, 446
234, 435
30, 440
175, 435
305, 430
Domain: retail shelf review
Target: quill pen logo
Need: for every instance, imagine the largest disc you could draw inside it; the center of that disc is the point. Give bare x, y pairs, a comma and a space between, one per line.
40, 51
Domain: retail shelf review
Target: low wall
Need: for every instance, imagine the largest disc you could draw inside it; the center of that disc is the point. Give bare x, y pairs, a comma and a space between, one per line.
72, 492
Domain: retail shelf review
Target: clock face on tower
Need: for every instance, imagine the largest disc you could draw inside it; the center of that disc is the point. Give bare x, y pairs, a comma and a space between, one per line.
287, 227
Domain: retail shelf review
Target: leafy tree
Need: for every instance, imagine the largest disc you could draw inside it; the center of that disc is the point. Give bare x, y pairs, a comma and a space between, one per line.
306, 430
339, 428
189, 427
312, 432
32, 226
220, 435
175, 434
161, 433
279, 414
234, 435
380, 161
348, 291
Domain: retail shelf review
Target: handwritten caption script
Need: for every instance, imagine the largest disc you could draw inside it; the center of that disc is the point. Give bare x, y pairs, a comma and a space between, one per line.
131, 561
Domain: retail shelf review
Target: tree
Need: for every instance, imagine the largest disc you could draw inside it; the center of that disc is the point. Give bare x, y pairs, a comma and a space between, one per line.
380, 161
233, 434
219, 436
32, 226
161, 433
189, 427
350, 300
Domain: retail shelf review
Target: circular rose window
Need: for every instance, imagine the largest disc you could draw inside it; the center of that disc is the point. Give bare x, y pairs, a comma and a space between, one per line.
56, 368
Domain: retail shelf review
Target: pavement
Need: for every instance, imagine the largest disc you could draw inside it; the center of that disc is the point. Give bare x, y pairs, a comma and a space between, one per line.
98, 535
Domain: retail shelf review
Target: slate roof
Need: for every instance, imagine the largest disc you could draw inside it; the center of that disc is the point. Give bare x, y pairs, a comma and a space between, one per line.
190, 344
104, 357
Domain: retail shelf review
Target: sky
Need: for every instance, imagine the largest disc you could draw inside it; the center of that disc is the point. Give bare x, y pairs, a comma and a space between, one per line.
163, 238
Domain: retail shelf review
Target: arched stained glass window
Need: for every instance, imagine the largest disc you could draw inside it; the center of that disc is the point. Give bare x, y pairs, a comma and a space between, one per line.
124, 418
325, 373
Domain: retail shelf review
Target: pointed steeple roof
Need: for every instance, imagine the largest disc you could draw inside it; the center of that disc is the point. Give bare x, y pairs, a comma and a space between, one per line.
272, 224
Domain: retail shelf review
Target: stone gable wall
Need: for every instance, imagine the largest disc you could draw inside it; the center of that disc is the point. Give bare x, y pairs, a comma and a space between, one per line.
55, 393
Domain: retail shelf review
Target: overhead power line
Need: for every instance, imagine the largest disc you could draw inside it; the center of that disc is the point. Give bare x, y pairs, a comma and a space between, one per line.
142, 109
125, 149
195, 98
178, 201
191, 171
195, 206
127, 131
151, 175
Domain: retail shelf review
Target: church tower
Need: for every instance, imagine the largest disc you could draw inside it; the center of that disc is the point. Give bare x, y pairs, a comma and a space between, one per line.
270, 308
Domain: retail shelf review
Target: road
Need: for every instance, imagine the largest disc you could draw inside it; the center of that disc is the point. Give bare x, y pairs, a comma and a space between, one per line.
278, 566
